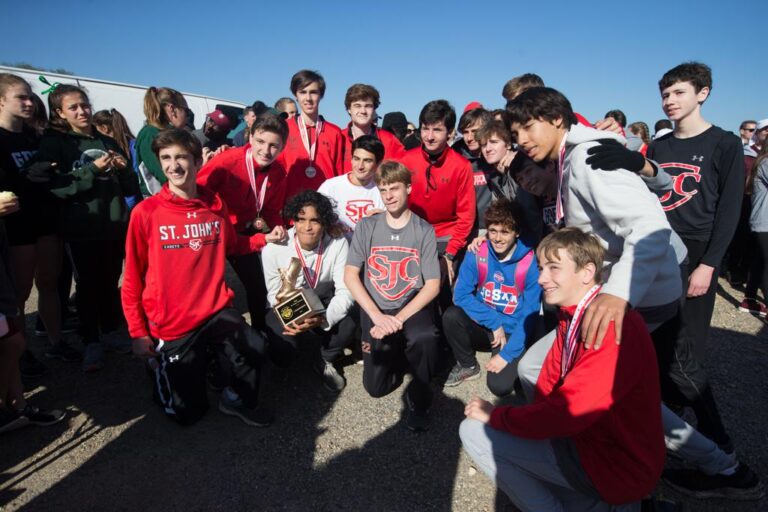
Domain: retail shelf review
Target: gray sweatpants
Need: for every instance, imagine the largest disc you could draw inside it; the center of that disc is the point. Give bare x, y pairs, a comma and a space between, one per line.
680, 437
527, 471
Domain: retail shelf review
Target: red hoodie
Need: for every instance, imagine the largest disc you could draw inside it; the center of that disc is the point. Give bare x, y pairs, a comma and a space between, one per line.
393, 148
609, 405
175, 255
448, 203
329, 157
227, 175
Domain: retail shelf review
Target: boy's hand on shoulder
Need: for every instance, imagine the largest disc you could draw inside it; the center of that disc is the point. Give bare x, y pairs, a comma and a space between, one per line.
606, 308
143, 347
479, 409
474, 246
610, 155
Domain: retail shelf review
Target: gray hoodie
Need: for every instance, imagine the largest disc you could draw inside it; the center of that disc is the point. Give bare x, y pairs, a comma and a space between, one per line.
617, 206
758, 219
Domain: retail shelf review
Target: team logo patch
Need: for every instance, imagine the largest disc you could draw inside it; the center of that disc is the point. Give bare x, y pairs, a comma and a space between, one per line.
502, 297
682, 191
479, 179
195, 244
498, 277
357, 208
394, 271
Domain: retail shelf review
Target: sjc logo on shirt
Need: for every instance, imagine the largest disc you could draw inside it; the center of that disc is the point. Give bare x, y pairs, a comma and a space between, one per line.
679, 173
357, 208
393, 271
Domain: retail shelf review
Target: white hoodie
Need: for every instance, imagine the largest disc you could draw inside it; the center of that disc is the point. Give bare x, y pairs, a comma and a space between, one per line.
627, 218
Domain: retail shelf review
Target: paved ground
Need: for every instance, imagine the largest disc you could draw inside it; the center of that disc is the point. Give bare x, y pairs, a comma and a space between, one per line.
116, 451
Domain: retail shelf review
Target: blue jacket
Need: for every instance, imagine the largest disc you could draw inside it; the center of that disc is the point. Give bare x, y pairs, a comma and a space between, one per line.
497, 303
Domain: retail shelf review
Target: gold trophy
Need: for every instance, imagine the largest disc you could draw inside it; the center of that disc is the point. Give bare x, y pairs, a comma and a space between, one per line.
295, 304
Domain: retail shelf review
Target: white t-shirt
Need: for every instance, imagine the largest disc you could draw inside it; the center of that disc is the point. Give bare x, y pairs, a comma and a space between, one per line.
352, 201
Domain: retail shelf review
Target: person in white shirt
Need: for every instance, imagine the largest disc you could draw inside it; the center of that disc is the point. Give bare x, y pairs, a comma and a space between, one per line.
316, 240
355, 194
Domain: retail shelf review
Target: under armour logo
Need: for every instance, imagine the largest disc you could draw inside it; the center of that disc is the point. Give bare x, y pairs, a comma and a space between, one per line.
698, 158
394, 237
175, 358
191, 214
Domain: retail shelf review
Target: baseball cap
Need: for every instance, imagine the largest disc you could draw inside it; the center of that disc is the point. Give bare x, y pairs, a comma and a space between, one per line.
762, 123
220, 119
472, 106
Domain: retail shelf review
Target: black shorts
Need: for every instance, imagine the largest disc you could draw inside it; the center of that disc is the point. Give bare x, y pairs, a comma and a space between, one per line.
36, 218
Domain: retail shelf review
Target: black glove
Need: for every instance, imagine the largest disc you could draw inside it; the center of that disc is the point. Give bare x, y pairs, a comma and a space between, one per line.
610, 155
40, 172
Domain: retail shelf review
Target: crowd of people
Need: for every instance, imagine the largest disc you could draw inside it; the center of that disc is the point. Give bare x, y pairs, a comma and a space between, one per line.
583, 256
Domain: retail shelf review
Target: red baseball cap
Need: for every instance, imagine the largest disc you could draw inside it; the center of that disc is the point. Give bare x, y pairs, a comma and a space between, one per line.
472, 106
221, 120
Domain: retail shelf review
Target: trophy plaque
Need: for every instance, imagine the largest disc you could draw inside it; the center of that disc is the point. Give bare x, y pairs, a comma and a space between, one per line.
294, 304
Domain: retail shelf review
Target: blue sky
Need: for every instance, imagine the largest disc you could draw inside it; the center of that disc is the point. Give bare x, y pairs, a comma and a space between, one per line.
602, 55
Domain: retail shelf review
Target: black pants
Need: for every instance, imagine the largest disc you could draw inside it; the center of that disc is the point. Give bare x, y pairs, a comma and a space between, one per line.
465, 337
684, 381
180, 373
414, 347
283, 349
758, 273
697, 311
248, 268
98, 265
739, 258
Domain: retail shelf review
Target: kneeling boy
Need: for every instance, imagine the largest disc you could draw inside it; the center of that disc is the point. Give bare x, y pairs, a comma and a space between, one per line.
593, 435
497, 299
178, 307
402, 278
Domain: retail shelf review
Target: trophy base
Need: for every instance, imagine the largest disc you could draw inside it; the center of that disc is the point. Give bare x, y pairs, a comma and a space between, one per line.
302, 304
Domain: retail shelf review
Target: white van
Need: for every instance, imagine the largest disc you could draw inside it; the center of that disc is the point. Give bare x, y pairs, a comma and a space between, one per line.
126, 98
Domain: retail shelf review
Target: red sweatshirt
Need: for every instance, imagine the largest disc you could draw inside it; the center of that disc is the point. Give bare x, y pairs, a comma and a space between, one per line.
175, 255
393, 148
448, 203
329, 157
226, 174
609, 405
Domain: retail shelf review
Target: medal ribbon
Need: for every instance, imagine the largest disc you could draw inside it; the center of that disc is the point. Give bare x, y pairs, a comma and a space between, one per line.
252, 177
305, 137
560, 166
311, 281
574, 328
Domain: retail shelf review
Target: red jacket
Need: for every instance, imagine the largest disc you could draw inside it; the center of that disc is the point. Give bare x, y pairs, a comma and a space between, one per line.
448, 203
329, 157
227, 175
393, 148
175, 255
609, 405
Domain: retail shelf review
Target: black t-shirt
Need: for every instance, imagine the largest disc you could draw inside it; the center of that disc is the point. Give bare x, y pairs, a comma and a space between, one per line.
708, 183
16, 149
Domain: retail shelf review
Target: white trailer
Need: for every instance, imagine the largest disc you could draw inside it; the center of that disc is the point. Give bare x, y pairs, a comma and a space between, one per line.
127, 98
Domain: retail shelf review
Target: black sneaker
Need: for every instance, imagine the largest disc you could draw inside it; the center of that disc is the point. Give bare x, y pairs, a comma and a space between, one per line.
415, 420
332, 379
71, 324
258, 417
63, 351
459, 374
41, 417
30, 367
742, 485
11, 420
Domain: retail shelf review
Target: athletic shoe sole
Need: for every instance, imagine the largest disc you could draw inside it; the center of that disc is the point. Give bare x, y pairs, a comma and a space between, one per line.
245, 419
727, 493
761, 314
